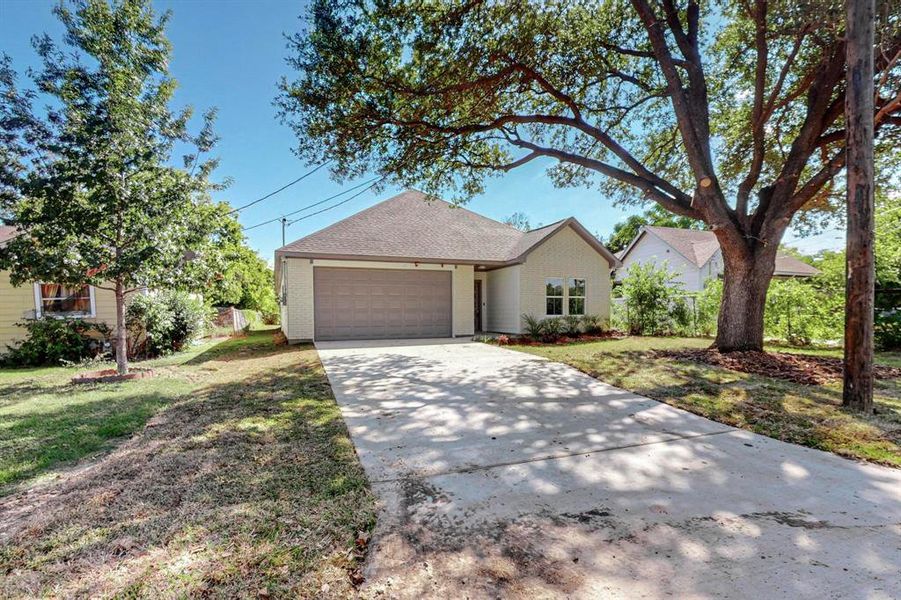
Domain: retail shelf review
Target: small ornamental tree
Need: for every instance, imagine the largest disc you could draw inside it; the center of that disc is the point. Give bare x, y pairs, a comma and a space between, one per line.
89, 180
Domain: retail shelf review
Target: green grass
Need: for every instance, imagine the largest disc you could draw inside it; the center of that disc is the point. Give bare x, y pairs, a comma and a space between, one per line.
807, 415
46, 421
229, 474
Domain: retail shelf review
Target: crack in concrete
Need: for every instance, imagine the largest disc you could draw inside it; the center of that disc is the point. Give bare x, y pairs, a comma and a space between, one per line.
547, 457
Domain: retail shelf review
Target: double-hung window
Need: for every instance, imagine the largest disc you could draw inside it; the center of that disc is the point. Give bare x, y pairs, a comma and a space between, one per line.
57, 300
576, 294
553, 292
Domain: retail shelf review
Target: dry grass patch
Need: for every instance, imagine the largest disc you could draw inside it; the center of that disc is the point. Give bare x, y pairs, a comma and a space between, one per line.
806, 414
246, 484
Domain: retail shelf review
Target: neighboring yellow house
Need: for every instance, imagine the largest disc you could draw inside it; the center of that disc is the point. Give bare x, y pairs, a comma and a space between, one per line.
29, 301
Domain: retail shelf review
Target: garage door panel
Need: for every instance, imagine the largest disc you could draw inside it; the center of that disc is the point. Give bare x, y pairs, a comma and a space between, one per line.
381, 303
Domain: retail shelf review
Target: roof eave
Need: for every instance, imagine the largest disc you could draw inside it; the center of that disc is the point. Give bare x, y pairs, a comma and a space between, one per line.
399, 259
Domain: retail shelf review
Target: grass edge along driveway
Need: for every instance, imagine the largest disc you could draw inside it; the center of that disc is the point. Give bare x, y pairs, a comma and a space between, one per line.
242, 481
809, 415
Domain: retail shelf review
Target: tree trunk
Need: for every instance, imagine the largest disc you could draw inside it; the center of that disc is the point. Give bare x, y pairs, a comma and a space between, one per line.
745, 284
121, 333
860, 277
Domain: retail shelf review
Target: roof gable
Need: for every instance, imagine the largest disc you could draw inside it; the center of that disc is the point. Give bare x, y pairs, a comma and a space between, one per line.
698, 247
415, 227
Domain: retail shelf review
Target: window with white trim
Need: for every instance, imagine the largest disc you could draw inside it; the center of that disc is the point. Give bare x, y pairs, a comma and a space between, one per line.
58, 300
553, 294
576, 293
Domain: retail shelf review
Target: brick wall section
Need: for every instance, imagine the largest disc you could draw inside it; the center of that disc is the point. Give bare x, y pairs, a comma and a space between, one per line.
298, 273
565, 255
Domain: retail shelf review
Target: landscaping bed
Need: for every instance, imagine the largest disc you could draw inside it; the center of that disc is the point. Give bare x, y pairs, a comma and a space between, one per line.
798, 368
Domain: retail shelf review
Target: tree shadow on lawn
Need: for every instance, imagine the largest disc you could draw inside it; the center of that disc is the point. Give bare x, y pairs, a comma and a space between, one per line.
255, 344
246, 485
809, 415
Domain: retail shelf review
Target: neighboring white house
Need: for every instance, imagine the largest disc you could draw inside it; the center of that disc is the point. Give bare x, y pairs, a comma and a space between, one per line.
692, 256
414, 266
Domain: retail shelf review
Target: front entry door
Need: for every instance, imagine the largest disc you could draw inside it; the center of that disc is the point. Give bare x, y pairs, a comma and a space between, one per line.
477, 307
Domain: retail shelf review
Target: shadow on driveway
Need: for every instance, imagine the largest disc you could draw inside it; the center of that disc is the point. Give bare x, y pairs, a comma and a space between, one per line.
503, 473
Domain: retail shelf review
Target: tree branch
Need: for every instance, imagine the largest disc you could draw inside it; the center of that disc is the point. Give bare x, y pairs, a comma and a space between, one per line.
757, 112
675, 205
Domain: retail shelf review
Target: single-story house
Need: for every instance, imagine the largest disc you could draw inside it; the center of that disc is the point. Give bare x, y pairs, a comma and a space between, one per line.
692, 256
40, 299
414, 266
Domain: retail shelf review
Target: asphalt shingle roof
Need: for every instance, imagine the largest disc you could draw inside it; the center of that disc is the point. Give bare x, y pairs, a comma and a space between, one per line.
413, 225
700, 246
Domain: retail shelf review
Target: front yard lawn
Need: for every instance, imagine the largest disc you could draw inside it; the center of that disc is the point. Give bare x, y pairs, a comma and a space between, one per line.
810, 415
239, 479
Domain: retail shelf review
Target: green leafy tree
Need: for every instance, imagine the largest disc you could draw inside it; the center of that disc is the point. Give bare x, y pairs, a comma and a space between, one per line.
653, 300
888, 248
728, 113
246, 282
626, 231
519, 220
89, 180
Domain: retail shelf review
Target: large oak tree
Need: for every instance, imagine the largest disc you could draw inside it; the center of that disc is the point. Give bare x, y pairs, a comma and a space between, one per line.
730, 113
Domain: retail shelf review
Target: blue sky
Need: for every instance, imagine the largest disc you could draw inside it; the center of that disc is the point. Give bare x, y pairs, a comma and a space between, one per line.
230, 54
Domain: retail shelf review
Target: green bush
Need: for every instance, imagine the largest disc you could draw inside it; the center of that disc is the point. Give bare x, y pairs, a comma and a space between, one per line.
800, 313
592, 324
551, 328
56, 342
707, 307
652, 301
571, 324
888, 331
164, 322
534, 327
271, 318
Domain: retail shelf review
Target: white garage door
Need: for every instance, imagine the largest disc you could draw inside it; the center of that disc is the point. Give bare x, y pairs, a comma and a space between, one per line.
365, 304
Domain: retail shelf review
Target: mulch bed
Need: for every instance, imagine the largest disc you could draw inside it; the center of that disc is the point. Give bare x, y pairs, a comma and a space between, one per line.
560, 340
797, 368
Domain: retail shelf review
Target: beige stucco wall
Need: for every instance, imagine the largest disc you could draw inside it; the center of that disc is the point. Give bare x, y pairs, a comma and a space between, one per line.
17, 304
503, 301
297, 316
565, 255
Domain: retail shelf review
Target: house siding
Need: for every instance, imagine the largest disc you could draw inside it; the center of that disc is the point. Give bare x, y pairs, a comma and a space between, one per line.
464, 309
17, 304
503, 300
650, 248
566, 254
297, 315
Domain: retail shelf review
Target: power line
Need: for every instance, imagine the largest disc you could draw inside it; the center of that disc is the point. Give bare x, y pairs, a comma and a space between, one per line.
337, 204
284, 187
294, 212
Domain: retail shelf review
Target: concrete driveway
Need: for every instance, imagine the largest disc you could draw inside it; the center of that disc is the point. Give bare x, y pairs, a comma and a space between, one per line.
504, 474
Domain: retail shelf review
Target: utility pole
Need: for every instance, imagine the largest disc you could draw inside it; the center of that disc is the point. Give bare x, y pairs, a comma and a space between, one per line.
859, 254
284, 224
